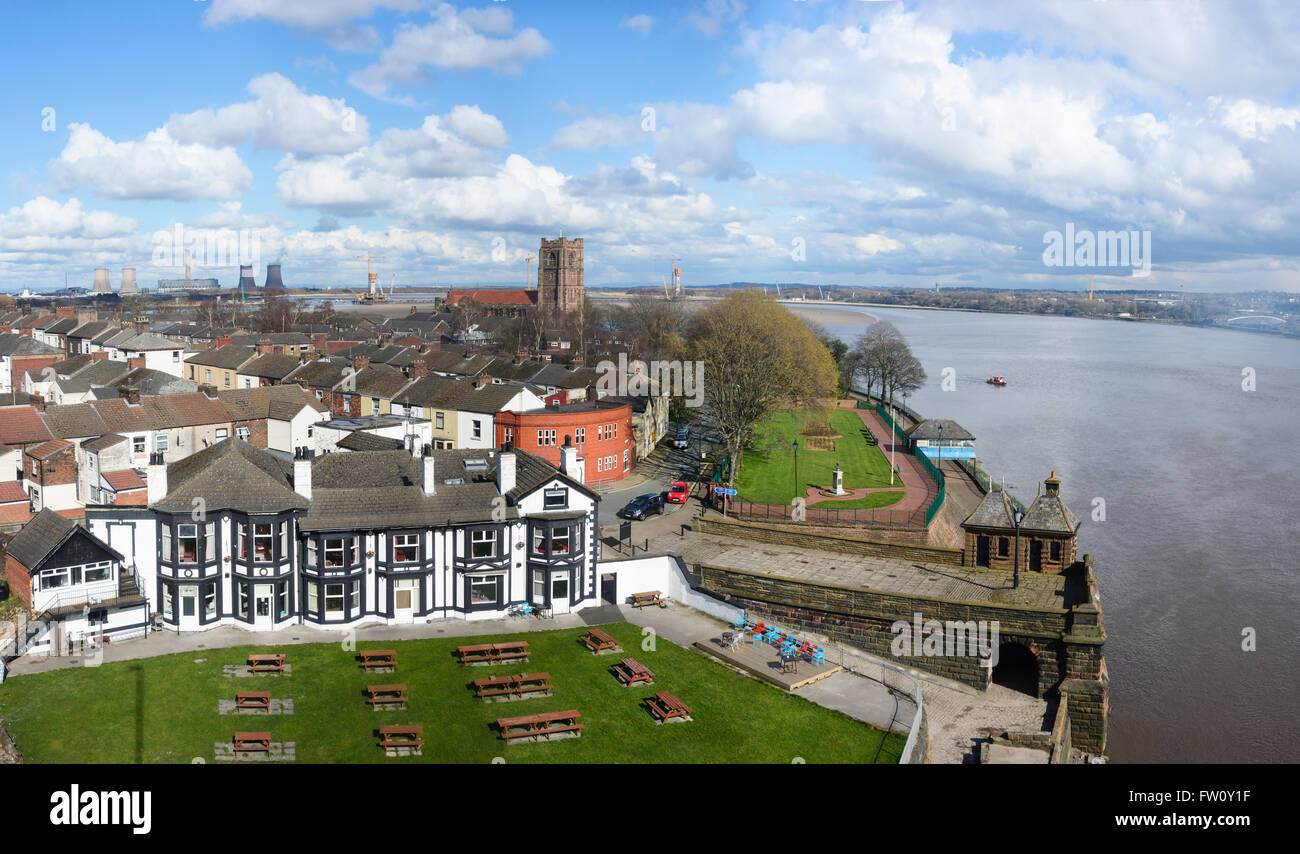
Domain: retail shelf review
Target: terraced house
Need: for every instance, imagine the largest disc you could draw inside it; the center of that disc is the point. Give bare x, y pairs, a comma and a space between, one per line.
361, 537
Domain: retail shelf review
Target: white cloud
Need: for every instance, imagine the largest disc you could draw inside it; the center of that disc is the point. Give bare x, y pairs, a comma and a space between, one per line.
642, 23
1250, 120
592, 132
44, 217
713, 15
312, 14
156, 167
455, 41
282, 117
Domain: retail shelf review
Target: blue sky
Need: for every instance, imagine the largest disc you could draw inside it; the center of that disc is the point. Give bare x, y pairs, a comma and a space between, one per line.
863, 143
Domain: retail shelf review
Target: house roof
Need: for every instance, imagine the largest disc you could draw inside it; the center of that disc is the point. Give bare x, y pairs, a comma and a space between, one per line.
274, 366
102, 372
44, 535
150, 341
11, 492
231, 475
13, 344
103, 443
929, 429
248, 404
45, 450
381, 381
494, 296
230, 356
21, 425
994, 511
123, 480
318, 374
152, 383
75, 421
360, 440
1049, 513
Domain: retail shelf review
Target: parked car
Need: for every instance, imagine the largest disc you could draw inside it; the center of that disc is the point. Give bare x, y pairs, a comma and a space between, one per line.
642, 506
682, 439
677, 493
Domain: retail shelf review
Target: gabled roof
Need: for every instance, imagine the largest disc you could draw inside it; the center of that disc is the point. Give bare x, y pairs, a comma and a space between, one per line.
75, 421
103, 443
150, 341
318, 374
380, 381
494, 296
231, 475
249, 404
929, 429
21, 425
230, 356
13, 344
360, 440
12, 493
123, 480
994, 511
45, 450
62, 326
102, 372
44, 535
274, 366
153, 383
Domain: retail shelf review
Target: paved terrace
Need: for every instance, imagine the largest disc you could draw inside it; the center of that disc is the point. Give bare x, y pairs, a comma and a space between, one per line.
910, 578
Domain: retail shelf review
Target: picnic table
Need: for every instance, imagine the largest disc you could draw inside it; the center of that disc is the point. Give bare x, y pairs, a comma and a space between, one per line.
598, 641
630, 671
255, 700
385, 694
374, 658
665, 706
401, 736
248, 742
266, 663
650, 597
524, 683
545, 725
493, 653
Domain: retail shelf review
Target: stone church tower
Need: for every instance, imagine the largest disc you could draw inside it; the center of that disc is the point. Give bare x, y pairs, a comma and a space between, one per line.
559, 275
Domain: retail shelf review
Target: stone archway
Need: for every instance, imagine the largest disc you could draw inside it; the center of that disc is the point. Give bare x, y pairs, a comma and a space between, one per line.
1017, 668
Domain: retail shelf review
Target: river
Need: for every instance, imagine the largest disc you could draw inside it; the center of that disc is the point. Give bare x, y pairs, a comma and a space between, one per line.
1200, 481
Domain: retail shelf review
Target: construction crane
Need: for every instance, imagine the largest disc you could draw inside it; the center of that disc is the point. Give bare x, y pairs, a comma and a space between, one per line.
1090, 284
676, 291
375, 293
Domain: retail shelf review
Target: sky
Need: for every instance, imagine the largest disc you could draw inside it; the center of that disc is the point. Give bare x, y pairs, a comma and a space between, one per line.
983, 144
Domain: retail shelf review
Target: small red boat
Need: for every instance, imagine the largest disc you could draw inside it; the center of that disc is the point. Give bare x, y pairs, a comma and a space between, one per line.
996, 381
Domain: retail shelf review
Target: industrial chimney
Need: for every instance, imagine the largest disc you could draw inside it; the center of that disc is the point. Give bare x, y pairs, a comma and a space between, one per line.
273, 277
101, 285
129, 285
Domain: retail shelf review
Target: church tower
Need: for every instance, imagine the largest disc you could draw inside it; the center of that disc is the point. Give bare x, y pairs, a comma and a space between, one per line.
559, 275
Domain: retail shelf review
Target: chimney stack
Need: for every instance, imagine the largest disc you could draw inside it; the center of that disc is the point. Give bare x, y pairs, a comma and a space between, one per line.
570, 462
419, 368
302, 472
1052, 486
129, 285
132, 395
223, 340
135, 363
264, 346
360, 363
427, 483
506, 469
99, 355
65, 311
156, 479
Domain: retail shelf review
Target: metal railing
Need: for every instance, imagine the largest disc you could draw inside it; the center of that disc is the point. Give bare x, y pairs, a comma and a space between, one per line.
742, 508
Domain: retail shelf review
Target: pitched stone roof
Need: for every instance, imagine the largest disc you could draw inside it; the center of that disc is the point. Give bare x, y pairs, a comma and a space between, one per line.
929, 430
13, 344
75, 421
152, 383
102, 372
1049, 513
41, 537
249, 404
230, 356
274, 366
994, 511
318, 374
380, 381
150, 341
231, 475
360, 440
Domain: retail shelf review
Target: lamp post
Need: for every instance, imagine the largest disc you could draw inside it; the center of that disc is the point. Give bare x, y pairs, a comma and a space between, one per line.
940, 442
795, 445
1018, 515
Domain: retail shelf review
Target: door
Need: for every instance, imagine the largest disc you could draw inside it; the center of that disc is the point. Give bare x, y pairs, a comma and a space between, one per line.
404, 600
560, 592
189, 607
982, 551
1036, 556
262, 596
609, 587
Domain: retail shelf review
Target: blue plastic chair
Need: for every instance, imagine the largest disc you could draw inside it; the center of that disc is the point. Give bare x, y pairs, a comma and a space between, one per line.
819, 656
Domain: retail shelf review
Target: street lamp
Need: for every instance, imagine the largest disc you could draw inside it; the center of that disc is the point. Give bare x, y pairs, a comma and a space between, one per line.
795, 445
1018, 515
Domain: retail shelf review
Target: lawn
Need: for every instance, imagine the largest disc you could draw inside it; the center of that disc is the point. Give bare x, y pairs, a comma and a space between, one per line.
867, 502
165, 709
767, 472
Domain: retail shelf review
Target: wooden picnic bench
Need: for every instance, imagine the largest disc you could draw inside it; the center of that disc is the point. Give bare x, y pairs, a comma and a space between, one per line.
630, 671
546, 725
374, 658
524, 683
665, 706
248, 742
401, 736
493, 653
254, 700
266, 663
384, 694
651, 597
597, 641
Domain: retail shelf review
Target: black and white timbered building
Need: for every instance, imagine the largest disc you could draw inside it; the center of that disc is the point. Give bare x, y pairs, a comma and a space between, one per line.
234, 535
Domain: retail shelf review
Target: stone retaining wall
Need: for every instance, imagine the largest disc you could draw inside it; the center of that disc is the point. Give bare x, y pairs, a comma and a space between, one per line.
768, 533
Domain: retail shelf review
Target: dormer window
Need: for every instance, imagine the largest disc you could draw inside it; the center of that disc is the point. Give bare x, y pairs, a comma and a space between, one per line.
555, 499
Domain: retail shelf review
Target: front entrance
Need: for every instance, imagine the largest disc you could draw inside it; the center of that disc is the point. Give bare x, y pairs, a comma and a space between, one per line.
1036, 556
189, 596
404, 600
609, 587
263, 594
560, 592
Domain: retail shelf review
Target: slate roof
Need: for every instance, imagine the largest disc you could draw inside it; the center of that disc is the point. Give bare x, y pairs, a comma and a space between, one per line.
13, 344
92, 328
359, 440
929, 430
15, 398
63, 326
41, 537
231, 475
381, 381
318, 374
274, 366
154, 383
103, 443
248, 404
75, 421
72, 364
1049, 513
994, 511
102, 372
230, 356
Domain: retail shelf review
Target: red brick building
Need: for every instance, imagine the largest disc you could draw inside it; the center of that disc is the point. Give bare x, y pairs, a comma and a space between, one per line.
600, 430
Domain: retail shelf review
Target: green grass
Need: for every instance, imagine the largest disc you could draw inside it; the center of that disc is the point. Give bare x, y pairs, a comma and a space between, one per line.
767, 473
867, 502
164, 709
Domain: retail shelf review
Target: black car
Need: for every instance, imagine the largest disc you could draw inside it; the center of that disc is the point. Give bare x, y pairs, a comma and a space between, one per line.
642, 506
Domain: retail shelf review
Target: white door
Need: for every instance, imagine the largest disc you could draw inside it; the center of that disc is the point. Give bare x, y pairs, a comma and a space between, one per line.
560, 592
404, 592
263, 599
189, 605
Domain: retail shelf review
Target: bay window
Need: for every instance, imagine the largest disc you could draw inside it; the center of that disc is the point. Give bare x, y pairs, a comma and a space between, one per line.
333, 598
187, 542
406, 548
484, 590
483, 544
313, 600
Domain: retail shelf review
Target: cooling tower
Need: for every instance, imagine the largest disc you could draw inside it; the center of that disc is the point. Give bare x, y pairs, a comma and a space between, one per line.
246, 277
128, 281
273, 277
101, 285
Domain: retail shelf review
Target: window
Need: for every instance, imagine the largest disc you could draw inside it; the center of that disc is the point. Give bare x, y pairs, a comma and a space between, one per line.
539, 587
210, 541
160, 442
248, 382
167, 602
539, 541
282, 601
137, 445
580, 435
600, 464
333, 598
483, 544
478, 429
374, 406
1004, 546
167, 542
600, 432
210, 602
242, 433
222, 433
483, 591
406, 548
354, 596
311, 552
92, 461
263, 542
507, 435
626, 459
96, 495
187, 541
320, 395
559, 541
243, 600
176, 355
207, 375
339, 551
555, 499
546, 437
313, 600
615, 430
1056, 551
